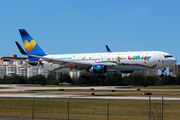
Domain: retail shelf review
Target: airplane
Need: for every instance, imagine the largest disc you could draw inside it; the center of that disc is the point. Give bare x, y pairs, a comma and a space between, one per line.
98, 63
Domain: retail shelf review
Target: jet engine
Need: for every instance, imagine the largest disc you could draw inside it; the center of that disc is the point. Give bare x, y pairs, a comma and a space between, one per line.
98, 69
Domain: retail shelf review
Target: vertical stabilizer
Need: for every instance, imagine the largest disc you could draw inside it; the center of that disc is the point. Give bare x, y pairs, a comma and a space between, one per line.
108, 50
30, 44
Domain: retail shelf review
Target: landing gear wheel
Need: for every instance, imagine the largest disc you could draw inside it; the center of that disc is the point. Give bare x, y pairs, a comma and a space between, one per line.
162, 75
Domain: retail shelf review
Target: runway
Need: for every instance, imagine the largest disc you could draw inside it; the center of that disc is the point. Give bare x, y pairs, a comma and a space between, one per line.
23, 88
67, 96
26, 88
32, 92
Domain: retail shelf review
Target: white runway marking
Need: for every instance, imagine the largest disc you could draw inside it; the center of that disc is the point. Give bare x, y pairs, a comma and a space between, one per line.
64, 96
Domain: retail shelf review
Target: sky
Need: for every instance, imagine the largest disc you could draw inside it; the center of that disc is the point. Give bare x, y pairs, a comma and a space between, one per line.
86, 26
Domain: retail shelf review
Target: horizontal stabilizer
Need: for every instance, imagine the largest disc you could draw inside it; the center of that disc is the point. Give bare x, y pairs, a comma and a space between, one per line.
14, 58
21, 49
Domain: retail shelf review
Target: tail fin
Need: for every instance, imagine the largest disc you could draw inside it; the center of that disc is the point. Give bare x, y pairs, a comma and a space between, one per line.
108, 50
30, 44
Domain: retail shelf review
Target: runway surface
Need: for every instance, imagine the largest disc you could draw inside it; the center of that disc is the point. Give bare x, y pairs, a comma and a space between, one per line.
26, 88
77, 95
66, 96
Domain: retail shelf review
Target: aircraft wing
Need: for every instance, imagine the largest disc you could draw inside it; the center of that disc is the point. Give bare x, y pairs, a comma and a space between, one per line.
24, 59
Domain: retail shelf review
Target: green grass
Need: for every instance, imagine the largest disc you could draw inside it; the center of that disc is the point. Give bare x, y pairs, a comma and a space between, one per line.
88, 109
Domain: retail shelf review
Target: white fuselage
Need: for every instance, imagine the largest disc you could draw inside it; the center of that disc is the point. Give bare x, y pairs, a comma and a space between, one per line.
121, 61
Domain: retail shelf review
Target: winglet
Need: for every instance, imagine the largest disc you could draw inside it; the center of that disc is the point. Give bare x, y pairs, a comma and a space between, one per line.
20, 49
108, 50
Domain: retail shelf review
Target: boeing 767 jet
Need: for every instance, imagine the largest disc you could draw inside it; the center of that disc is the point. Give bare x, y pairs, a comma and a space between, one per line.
98, 63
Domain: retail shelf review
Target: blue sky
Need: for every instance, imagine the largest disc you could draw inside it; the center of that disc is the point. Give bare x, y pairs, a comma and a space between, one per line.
83, 26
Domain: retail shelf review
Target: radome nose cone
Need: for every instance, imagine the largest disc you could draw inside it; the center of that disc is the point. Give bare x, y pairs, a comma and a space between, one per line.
175, 60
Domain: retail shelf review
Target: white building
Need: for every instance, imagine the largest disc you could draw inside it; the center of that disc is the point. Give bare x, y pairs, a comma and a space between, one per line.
21, 70
32, 71
74, 74
43, 72
10, 70
2, 71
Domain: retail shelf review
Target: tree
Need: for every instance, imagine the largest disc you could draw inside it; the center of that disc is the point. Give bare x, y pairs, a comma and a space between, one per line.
134, 79
51, 79
38, 79
65, 78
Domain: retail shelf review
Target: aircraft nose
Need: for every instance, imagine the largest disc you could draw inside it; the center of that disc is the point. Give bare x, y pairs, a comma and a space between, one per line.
174, 61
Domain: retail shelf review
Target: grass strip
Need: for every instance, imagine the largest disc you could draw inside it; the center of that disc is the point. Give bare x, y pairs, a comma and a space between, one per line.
88, 109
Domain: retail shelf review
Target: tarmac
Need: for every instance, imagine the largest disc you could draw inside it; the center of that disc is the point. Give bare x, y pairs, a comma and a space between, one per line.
27, 91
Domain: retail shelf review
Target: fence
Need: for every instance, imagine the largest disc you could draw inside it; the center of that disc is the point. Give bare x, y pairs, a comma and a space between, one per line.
90, 109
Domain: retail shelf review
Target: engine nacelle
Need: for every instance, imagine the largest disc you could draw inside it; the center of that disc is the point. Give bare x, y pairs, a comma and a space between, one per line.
98, 69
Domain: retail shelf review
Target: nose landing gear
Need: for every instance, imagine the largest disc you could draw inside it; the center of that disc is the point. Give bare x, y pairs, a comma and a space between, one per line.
163, 72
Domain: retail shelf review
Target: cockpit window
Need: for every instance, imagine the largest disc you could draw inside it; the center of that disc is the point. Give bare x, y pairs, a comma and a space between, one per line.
168, 56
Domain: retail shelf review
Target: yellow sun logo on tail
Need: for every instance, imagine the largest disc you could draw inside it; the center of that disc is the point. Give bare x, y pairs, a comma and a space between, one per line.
29, 46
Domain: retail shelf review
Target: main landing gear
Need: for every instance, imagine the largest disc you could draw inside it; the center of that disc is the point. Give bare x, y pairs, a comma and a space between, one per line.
163, 72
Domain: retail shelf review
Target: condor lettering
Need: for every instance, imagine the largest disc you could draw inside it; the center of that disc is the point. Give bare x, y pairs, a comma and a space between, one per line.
138, 57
